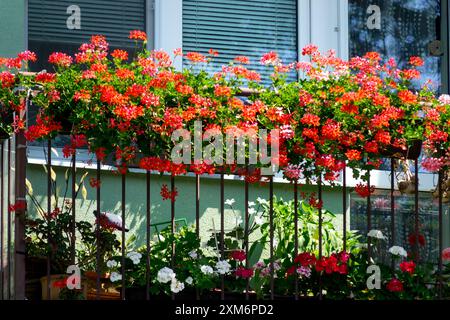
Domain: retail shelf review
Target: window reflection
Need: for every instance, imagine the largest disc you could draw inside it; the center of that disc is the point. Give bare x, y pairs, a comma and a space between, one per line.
407, 28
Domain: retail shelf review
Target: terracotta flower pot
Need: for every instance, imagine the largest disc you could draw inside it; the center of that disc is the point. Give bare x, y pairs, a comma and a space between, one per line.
57, 283
407, 187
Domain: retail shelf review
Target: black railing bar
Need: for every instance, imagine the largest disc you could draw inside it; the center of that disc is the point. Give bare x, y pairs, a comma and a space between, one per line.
222, 231
97, 230
49, 209
123, 205
73, 206
2, 285
344, 207
441, 236
416, 208
393, 240
247, 220
147, 229
296, 235
271, 231
197, 218
319, 185
369, 217
172, 219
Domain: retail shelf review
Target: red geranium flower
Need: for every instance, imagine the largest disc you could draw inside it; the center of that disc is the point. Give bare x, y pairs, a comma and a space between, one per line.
363, 190
408, 266
446, 254
238, 255
138, 35
244, 273
395, 285
305, 259
60, 59
353, 155
166, 194
412, 239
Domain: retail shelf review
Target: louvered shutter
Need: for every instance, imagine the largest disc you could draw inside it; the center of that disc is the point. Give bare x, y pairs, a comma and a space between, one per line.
113, 19
234, 27
48, 31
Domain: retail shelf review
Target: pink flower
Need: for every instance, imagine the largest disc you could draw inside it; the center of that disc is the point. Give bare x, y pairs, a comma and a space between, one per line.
270, 58
293, 172
432, 164
286, 132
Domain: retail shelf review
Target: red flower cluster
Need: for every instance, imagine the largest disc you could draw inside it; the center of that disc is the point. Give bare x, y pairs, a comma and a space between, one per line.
244, 273
336, 263
238, 255
412, 239
166, 194
18, 206
408, 266
162, 165
363, 190
60, 59
138, 35
395, 285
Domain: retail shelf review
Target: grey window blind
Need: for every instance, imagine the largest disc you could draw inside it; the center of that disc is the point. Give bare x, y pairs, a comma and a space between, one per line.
234, 27
113, 19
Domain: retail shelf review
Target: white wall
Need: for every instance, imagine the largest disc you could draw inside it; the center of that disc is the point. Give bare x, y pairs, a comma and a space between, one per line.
325, 24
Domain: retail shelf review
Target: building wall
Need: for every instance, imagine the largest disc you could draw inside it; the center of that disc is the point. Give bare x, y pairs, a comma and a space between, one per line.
184, 205
13, 27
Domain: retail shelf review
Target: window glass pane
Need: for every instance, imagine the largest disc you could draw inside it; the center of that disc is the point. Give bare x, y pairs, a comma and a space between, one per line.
398, 29
65, 24
404, 222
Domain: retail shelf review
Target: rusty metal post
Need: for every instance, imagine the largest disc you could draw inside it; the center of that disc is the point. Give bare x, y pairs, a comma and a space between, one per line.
19, 220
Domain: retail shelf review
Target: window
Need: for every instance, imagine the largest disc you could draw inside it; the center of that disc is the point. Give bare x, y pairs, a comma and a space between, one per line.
248, 28
399, 29
404, 221
65, 24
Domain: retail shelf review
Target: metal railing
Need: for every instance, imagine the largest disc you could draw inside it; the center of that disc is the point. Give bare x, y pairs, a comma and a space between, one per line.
12, 250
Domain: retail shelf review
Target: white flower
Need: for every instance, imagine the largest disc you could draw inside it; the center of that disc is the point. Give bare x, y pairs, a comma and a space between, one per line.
189, 280
262, 201
193, 254
398, 251
251, 204
165, 275
251, 211
206, 269
259, 220
230, 202
111, 264
239, 220
115, 276
135, 257
223, 267
176, 286
377, 234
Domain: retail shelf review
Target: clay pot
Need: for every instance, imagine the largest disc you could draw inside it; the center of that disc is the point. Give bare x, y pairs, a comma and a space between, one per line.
407, 186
